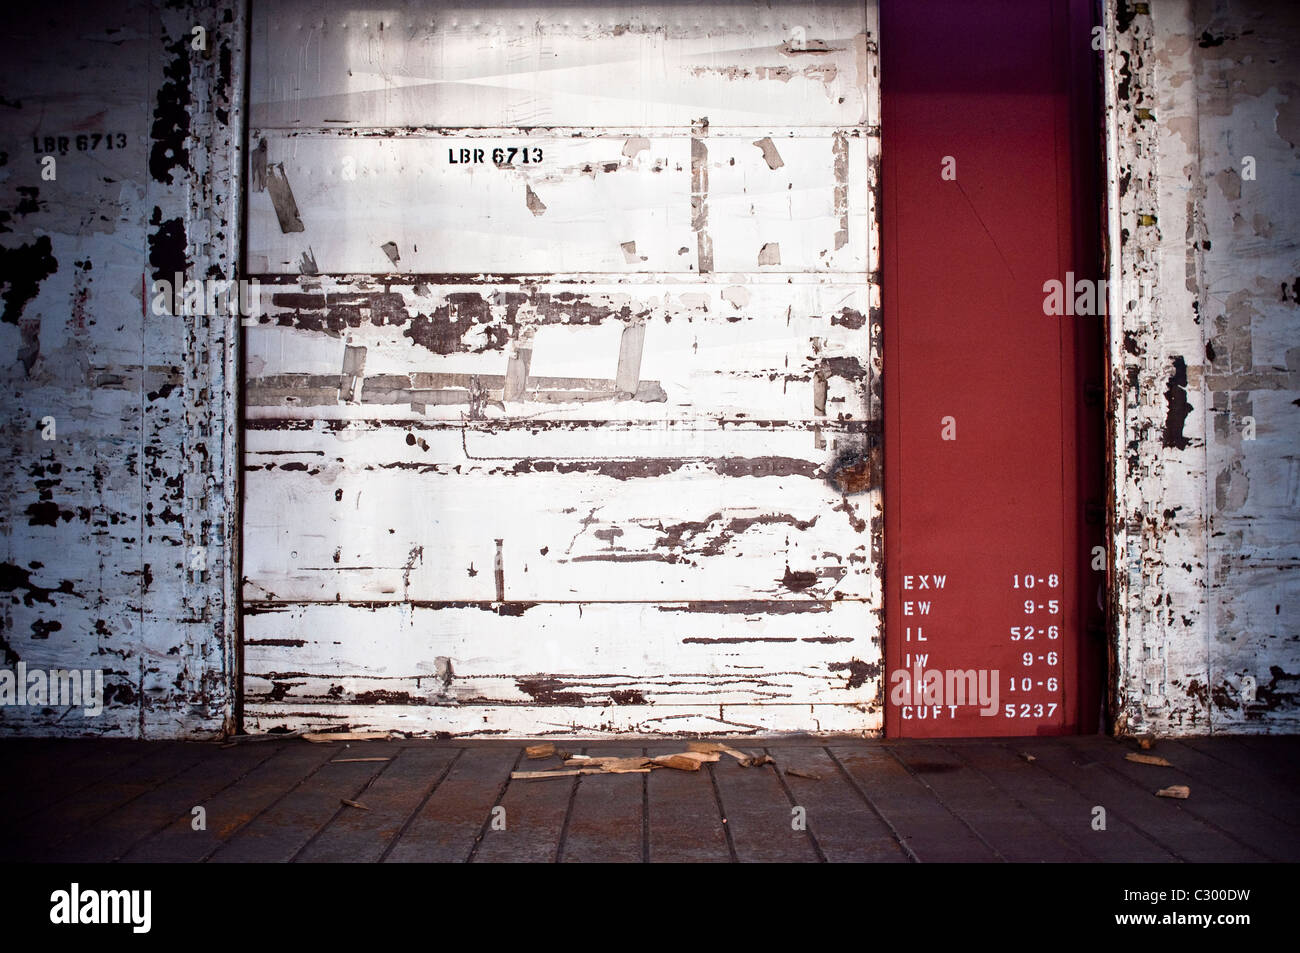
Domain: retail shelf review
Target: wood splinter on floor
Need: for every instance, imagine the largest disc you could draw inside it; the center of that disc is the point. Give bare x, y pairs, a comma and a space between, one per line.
569, 773
1180, 791
697, 753
715, 747
686, 760
746, 760
357, 804
540, 751
610, 765
1147, 759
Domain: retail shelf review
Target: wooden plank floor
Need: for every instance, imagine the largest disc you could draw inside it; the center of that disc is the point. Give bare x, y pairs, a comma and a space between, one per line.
1017, 800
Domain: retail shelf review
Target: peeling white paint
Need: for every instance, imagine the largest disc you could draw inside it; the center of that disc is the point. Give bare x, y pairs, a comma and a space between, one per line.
1205, 548
119, 534
592, 461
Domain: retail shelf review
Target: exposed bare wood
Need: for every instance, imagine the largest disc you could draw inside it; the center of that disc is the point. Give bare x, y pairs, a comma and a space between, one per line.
1147, 759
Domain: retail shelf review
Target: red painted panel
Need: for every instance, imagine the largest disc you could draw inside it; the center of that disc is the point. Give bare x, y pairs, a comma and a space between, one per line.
983, 391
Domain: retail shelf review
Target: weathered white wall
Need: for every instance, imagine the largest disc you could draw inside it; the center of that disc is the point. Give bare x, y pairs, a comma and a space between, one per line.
99, 525
1205, 341
584, 444
105, 529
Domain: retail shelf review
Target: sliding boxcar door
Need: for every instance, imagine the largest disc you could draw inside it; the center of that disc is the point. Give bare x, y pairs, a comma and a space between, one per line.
562, 415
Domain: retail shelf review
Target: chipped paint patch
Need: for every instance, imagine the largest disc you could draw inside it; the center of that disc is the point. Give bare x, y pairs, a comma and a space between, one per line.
535, 204
22, 269
770, 154
286, 208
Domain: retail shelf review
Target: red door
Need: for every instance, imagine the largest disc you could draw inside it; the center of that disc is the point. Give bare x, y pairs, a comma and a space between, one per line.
992, 437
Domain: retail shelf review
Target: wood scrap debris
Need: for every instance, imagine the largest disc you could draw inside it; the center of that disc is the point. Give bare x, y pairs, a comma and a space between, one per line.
697, 753
357, 804
746, 760
609, 765
568, 773
678, 761
1180, 791
708, 747
535, 752
231, 740
1028, 757
1147, 759
802, 773
685, 761
321, 737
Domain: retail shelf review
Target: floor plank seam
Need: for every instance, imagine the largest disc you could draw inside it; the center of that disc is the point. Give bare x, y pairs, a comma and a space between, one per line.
943, 804
808, 824
129, 801
487, 821
568, 815
217, 793
338, 811
1189, 812
1010, 795
905, 847
419, 807
722, 814
1110, 811
645, 812
266, 807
